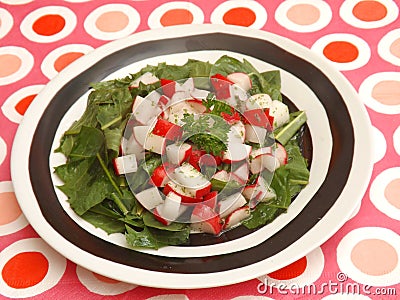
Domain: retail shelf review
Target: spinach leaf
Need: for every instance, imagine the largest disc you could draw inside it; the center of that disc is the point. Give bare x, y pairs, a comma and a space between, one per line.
165, 237
226, 65
108, 224
280, 184
88, 143
150, 221
142, 239
263, 214
88, 189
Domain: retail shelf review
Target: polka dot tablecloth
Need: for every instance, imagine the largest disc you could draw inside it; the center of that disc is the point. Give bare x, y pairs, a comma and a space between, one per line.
361, 39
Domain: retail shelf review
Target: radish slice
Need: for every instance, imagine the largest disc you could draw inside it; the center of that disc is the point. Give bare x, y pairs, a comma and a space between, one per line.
167, 129
260, 151
280, 112
178, 153
188, 195
197, 106
221, 86
256, 165
236, 178
257, 117
132, 146
237, 133
281, 154
140, 133
171, 209
187, 86
145, 111
270, 162
250, 192
150, 198
242, 172
168, 87
164, 100
146, 78
236, 152
177, 112
180, 96
263, 190
187, 176
160, 177
205, 219
236, 217
199, 94
211, 199
125, 164
255, 134
241, 79
159, 217
136, 103
259, 101
221, 176
155, 143
237, 93
231, 203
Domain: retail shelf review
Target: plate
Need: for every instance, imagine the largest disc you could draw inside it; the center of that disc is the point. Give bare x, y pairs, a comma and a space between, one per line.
341, 166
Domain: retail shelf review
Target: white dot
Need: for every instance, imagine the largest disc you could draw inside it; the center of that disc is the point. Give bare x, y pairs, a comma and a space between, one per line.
131, 13
217, 16
20, 222
93, 284
364, 51
67, 14
367, 87
396, 140
48, 67
6, 21
346, 297
379, 144
349, 241
324, 19
27, 62
315, 265
154, 20
8, 107
346, 13
384, 45
377, 192
3, 150
169, 297
56, 268
15, 2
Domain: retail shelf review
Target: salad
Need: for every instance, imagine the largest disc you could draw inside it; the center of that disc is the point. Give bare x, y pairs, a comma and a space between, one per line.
173, 150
